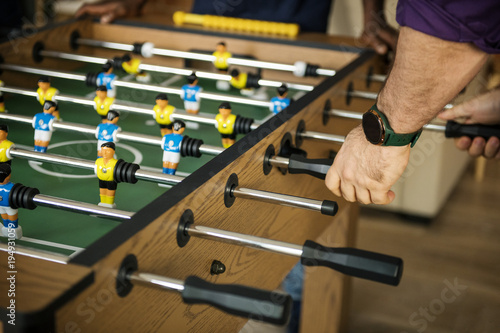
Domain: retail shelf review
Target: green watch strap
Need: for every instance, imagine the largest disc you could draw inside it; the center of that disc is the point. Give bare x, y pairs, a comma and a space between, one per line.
396, 139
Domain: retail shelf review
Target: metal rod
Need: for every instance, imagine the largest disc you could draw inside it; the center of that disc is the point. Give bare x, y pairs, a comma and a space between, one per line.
87, 129
108, 45
279, 162
210, 150
139, 86
173, 70
195, 118
125, 136
378, 77
81, 207
359, 116
73, 57
203, 95
202, 57
156, 177
37, 254
34, 70
276, 198
323, 136
345, 114
158, 281
89, 165
245, 240
52, 158
363, 94
435, 127
373, 96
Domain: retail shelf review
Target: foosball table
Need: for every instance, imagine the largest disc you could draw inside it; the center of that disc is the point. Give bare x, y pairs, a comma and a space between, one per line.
226, 229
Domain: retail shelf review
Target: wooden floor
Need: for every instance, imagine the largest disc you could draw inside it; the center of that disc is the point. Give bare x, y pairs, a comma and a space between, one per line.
451, 281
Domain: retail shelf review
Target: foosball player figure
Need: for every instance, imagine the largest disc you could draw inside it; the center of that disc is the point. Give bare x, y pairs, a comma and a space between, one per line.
163, 111
107, 131
131, 66
107, 78
43, 123
46, 92
221, 56
103, 102
2, 103
105, 169
9, 215
5, 145
225, 124
239, 81
281, 101
191, 94
171, 145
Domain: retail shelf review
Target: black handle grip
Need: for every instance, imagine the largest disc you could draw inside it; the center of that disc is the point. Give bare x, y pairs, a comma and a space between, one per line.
267, 306
354, 262
456, 130
329, 207
314, 167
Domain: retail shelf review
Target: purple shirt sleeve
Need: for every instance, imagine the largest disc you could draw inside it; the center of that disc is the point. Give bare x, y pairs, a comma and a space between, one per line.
462, 21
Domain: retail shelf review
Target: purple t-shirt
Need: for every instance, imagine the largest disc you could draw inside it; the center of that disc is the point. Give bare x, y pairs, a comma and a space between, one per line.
463, 21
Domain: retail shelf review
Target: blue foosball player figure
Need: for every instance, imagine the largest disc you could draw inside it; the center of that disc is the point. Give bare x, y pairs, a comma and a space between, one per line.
107, 78
107, 131
191, 94
11, 227
43, 123
280, 102
171, 145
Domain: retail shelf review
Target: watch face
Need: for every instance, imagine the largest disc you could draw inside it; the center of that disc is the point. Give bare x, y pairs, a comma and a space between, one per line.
372, 126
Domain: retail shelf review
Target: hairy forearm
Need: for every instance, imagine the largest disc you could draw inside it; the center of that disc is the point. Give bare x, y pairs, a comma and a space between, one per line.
427, 74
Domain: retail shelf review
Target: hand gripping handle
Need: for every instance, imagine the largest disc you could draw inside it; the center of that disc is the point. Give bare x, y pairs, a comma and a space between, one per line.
314, 167
267, 306
455, 130
354, 262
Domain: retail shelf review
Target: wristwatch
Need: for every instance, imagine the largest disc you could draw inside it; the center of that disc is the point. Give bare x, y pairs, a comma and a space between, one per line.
379, 132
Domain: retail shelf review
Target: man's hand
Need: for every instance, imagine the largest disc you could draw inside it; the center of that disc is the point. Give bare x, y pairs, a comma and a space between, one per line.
484, 109
365, 172
109, 10
377, 33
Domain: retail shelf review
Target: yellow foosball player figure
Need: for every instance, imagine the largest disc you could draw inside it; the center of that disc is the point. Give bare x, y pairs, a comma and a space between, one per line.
105, 169
5, 145
46, 92
240, 81
163, 111
131, 66
221, 56
10, 227
225, 124
2, 103
102, 102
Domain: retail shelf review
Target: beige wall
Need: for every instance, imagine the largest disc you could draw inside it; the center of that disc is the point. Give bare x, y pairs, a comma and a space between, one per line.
346, 18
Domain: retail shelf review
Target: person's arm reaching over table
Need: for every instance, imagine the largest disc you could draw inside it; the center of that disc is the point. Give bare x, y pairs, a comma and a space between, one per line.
484, 109
109, 10
377, 33
427, 73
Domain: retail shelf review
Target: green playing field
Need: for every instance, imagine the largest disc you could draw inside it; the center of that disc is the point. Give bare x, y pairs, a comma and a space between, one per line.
77, 230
